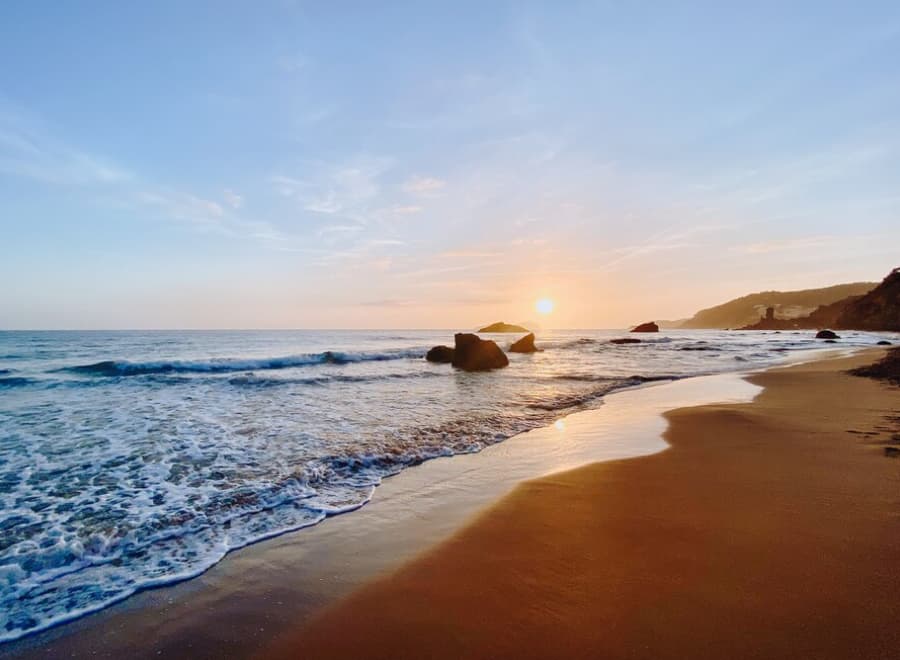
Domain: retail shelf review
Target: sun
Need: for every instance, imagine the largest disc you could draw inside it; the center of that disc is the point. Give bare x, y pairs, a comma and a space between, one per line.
544, 306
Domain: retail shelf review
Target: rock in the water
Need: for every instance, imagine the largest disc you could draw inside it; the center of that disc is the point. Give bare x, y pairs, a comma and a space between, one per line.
884, 342
524, 345
443, 354
650, 326
472, 353
826, 334
831, 341
500, 326
625, 340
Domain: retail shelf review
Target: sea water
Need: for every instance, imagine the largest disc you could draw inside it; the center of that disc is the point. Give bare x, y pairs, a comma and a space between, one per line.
136, 459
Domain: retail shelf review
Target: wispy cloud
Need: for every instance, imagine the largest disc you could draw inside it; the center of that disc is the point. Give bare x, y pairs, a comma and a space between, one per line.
232, 198
804, 243
29, 151
405, 210
423, 185
388, 303
348, 189
469, 254
292, 63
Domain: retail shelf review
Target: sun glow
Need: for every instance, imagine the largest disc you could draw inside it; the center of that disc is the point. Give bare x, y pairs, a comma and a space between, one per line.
544, 306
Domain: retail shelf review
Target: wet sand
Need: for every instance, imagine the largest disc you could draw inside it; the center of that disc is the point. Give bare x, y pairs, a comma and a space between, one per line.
769, 529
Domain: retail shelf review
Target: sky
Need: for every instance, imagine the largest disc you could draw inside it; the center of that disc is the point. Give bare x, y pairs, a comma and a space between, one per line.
438, 165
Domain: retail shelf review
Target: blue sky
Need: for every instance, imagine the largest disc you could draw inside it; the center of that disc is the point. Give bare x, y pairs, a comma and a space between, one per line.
286, 164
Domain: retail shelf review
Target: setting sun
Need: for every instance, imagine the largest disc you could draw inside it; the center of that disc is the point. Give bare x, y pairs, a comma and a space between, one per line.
544, 306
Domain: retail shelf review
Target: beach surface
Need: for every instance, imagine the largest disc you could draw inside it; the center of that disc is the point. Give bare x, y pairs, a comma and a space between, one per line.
769, 529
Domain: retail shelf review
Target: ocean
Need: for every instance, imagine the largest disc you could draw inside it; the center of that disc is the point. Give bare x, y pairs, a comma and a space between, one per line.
136, 459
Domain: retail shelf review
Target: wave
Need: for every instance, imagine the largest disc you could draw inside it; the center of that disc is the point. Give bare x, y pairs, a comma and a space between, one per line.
252, 380
15, 381
624, 381
116, 368
579, 399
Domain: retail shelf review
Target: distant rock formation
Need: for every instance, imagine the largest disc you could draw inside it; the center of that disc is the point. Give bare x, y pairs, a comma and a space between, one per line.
827, 334
746, 310
877, 310
822, 317
625, 340
524, 345
442, 354
500, 326
472, 353
650, 326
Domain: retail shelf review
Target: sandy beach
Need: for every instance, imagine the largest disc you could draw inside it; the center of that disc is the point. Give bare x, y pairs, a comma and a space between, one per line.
768, 529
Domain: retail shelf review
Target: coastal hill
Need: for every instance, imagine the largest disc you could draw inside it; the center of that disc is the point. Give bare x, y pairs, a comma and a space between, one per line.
748, 309
500, 326
879, 309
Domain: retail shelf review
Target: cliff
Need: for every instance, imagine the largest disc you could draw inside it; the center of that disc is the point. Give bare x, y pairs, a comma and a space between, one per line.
748, 310
879, 309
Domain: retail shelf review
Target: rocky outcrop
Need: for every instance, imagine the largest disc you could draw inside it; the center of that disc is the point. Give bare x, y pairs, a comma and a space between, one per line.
650, 326
789, 305
887, 368
625, 340
524, 345
877, 310
472, 353
500, 326
442, 354
826, 334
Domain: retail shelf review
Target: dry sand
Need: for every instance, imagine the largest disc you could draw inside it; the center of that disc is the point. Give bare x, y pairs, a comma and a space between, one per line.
767, 530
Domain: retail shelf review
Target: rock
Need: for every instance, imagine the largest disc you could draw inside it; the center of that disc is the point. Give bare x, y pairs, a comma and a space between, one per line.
884, 342
472, 353
892, 452
442, 354
826, 334
625, 340
500, 326
524, 345
650, 326
887, 368
830, 341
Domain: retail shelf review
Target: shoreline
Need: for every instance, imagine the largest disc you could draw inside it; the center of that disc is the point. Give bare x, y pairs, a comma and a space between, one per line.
768, 529
265, 588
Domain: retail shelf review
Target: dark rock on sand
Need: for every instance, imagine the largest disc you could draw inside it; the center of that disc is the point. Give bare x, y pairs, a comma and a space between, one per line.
650, 326
524, 345
826, 334
472, 353
443, 354
500, 326
887, 368
892, 452
625, 340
